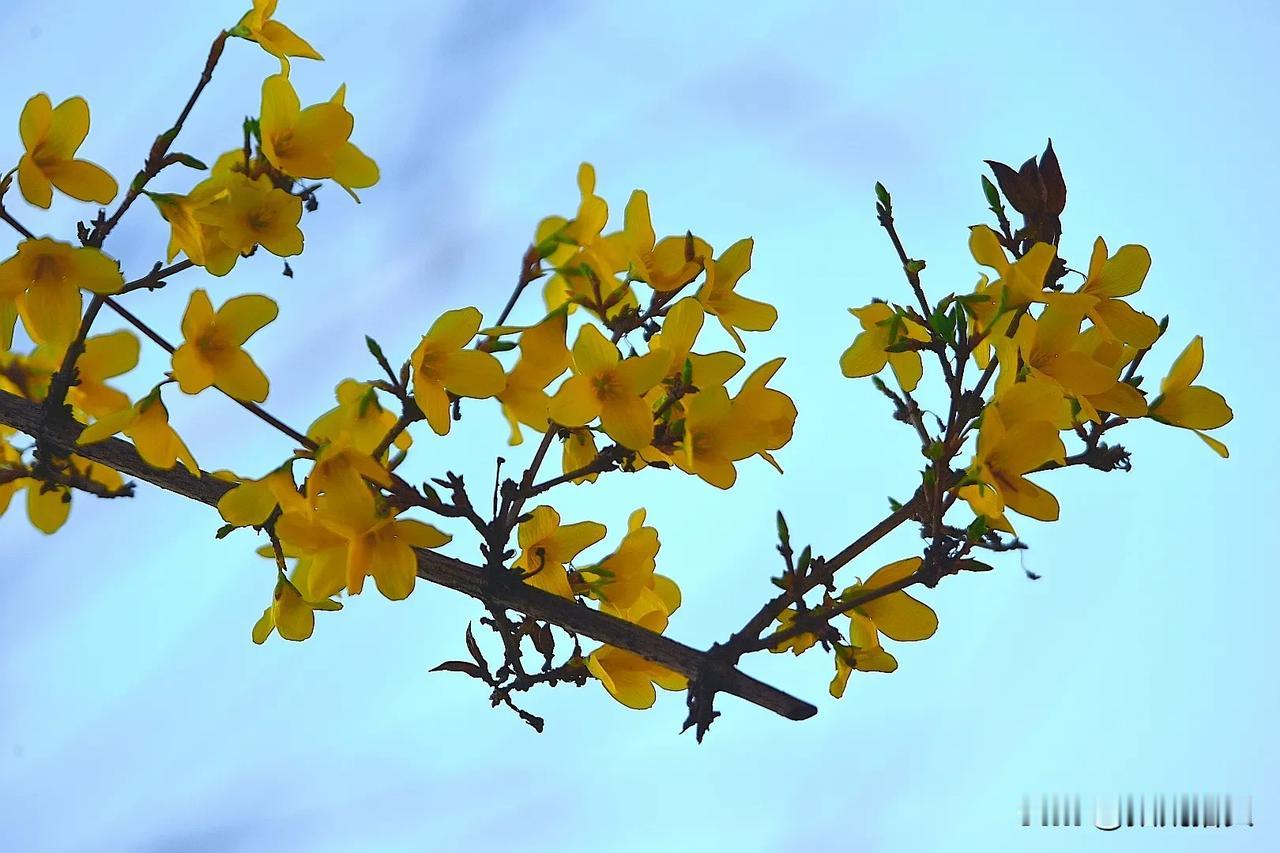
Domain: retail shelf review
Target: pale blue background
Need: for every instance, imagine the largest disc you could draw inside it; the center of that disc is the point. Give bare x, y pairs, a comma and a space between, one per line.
136, 715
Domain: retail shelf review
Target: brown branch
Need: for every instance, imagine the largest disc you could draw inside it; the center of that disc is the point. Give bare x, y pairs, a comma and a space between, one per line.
156, 158
259, 412
748, 637
444, 571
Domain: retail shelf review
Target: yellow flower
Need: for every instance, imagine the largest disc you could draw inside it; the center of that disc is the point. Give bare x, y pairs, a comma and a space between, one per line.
1192, 407
579, 254
629, 678
322, 553
546, 546
718, 296
378, 543
765, 413
579, 451
291, 615
1021, 282
543, 358
104, 357
200, 240
45, 277
352, 168
338, 465
48, 508
358, 421
301, 143
605, 385
212, 351
800, 643
716, 436
882, 327
680, 330
1122, 398
1005, 455
897, 615
146, 422
1114, 277
442, 365
275, 38
50, 139
662, 265
868, 658
254, 212
1046, 346
251, 502
10, 462
626, 577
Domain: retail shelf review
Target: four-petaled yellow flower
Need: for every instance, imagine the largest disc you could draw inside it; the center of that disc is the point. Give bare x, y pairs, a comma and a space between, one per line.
212, 352
607, 386
1111, 278
255, 213
312, 143
546, 546
50, 138
44, 279
442, 365
882, 327
1192, 407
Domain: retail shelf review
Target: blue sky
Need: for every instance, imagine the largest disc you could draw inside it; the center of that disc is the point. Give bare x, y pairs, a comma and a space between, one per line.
138, 716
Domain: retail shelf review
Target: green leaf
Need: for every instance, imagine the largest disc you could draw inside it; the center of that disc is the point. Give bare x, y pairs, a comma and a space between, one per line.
992, 194
188, 161
882, 195
223, 531
976, 529
784, 535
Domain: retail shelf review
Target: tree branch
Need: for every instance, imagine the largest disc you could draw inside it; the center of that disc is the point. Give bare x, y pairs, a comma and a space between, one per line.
439, 569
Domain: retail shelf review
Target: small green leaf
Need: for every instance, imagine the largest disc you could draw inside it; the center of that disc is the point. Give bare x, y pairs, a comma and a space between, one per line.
784, 535
189, 161
990, 191
224, 530
882, 195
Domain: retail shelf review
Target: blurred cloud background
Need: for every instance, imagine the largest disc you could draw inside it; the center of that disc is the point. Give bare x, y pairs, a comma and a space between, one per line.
135, 713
